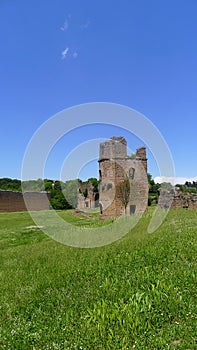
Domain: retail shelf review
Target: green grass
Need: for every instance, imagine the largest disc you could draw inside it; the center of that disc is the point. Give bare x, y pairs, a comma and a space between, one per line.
137, 293
87, 218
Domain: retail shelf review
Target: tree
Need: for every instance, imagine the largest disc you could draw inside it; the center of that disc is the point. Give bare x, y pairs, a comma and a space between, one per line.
48, 185
58, 201
153, 190
94, 182
56, 188
70, 192
123, 191
10, 184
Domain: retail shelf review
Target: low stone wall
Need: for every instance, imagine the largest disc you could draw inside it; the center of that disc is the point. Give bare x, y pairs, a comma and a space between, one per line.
176, 199
15, 201
187, 200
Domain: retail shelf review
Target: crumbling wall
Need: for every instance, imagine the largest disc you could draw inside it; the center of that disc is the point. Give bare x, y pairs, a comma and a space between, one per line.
114, 166
15, 201
141, 155
113, 148
175, 199
89, 199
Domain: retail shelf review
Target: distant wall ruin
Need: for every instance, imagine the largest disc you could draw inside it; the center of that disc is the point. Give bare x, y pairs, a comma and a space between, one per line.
15, 201
175, 199
89, 199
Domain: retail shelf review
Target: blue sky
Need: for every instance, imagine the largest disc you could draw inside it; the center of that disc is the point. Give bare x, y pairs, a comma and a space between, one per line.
57, 54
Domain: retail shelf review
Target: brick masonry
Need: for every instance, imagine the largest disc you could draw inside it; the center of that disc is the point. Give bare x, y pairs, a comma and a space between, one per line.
114, 166
175, 199
14, 201
90, 201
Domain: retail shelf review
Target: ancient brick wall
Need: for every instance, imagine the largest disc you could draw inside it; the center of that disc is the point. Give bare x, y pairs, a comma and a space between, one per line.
175, 199
113, 148
110, 172
14, 201
89, 201
141, 155
114, 166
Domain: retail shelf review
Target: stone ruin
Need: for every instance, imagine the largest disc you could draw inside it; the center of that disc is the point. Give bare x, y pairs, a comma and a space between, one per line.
87, 198
114, 166
11, 201
175, 198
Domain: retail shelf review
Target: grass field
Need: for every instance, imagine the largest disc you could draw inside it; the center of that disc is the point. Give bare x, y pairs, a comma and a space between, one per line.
137, 293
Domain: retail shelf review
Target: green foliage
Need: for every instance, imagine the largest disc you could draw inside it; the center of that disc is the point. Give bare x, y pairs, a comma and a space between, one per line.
191, 184
70, 192
48, 185
33, 185
188, 187
153, 198
10, 184
58, 201
153, 187
153, 190
137, 293
123, 191
94, 182
192, 190
56, 188
132, 156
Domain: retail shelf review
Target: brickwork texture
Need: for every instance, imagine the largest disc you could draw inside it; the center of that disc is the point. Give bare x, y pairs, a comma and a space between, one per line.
14, 201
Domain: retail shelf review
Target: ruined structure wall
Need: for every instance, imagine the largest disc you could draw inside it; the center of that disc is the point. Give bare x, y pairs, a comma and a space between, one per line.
112, 174
193, 203
176, 199
85, 203
13, 201
89, 201
141, 155
139, 185
113, 148
114, 166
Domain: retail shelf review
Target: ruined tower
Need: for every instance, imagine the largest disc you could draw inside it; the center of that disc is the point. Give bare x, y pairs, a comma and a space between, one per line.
87, 198
114, 167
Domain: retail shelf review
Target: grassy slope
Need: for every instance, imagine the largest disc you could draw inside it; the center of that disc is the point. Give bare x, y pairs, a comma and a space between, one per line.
137, 293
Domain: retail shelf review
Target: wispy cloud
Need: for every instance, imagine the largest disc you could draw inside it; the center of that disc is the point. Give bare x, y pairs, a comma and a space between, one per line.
70, 51
85, 25
66, 23
65, 26
75, 54
174, 180
65, 53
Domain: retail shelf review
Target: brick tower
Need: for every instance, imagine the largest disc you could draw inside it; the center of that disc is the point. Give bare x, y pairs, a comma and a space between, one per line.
114, 166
